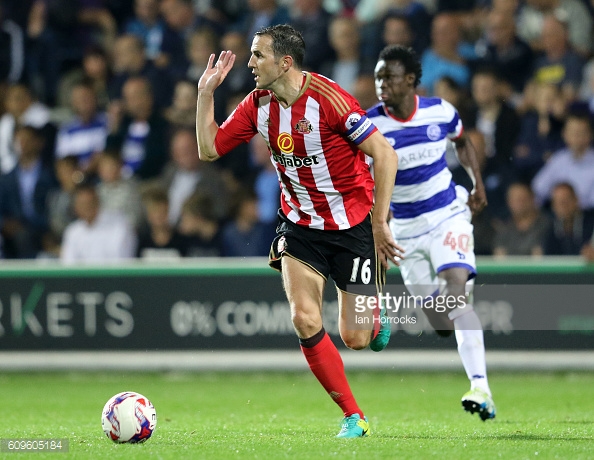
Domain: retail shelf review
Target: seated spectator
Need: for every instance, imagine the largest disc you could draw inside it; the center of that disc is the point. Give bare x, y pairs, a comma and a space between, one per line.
447, 54
23, 193
185, 174
265, 185
571, 232
59, 201
199, 224
159, 239
523, 234
97, 236
118, 194
130, 61
540, 131
417, 19
364, 90
245, 235
22, 109
313, 21
95, 71
499, 124
84, 135
182, 111
502, 49
149, 27
240, 79
574, 164
530, 22
138, 131
182, 21
559, 64
349, 63
261, 13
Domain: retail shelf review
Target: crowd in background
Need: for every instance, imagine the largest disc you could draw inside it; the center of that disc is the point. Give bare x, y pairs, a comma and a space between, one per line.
98, 156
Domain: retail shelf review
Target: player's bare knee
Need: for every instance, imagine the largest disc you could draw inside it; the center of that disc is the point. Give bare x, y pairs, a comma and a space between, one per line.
355, 340
305, 323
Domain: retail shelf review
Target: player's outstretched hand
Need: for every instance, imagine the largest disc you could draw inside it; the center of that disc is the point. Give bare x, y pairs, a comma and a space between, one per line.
385, 245
214, 75
477, 200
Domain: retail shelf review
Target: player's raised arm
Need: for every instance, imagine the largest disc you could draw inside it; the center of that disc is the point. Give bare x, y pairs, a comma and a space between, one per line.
385, 164
206, 126
468, 159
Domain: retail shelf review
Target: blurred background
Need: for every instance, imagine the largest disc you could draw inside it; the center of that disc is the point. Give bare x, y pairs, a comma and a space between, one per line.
97, 115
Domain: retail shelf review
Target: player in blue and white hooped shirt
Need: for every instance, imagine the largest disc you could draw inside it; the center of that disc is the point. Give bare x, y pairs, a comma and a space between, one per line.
430, 214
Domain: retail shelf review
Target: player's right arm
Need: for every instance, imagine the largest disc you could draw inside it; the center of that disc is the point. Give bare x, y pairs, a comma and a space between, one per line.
206, 126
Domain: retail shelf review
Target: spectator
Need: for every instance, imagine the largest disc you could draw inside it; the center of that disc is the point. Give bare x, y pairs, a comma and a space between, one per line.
140, 133
265, 185
530, 22
447, 89
502, 49
95, 71
524, 233
446, 55
185, 175
364, 90
118, 194
559, 65
84, 135
149, 27
160, 239
199, 223
245, 235
313, 21
499, 124
97, 236
23, 109
58, 32
261, 13
417, 19
12, 50
59, 201
574, 164
540, 131
240, 78
200, 45
182, 21
397, 30
571, 232
182, 111
23, 193
129, 60
349, 63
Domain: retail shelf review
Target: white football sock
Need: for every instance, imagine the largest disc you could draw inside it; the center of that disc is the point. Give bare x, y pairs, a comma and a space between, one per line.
471, 347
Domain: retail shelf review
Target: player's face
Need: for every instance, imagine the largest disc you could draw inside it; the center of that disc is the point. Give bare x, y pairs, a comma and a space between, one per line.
266, 68
392, 83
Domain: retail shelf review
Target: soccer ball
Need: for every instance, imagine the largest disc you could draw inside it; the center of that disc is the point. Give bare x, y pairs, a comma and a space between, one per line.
128, 417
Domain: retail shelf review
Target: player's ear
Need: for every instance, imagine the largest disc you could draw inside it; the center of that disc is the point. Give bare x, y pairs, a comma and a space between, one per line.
287, 62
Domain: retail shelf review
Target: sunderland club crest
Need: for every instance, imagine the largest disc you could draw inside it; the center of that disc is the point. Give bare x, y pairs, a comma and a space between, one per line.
304, 126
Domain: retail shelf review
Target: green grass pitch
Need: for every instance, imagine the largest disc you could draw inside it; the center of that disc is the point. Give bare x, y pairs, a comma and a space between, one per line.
288, 415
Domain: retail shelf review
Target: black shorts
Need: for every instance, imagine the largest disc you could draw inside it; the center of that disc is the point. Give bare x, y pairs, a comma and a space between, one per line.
348, 256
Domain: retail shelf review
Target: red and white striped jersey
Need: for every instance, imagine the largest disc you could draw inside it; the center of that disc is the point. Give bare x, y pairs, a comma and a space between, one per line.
324, 178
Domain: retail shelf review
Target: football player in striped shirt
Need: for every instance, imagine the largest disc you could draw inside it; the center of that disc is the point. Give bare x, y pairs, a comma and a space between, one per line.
431, 214
318, 136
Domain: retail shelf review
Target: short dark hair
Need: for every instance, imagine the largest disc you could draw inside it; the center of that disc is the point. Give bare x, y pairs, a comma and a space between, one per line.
407, 57
286, 40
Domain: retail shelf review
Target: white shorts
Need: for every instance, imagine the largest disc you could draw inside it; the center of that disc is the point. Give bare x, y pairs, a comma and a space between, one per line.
450, 244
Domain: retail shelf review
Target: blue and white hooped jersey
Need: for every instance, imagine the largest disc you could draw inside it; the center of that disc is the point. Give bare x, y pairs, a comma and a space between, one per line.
424, 194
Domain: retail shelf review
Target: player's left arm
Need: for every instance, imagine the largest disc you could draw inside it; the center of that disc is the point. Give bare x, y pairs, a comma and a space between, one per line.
385, 163
468, 159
